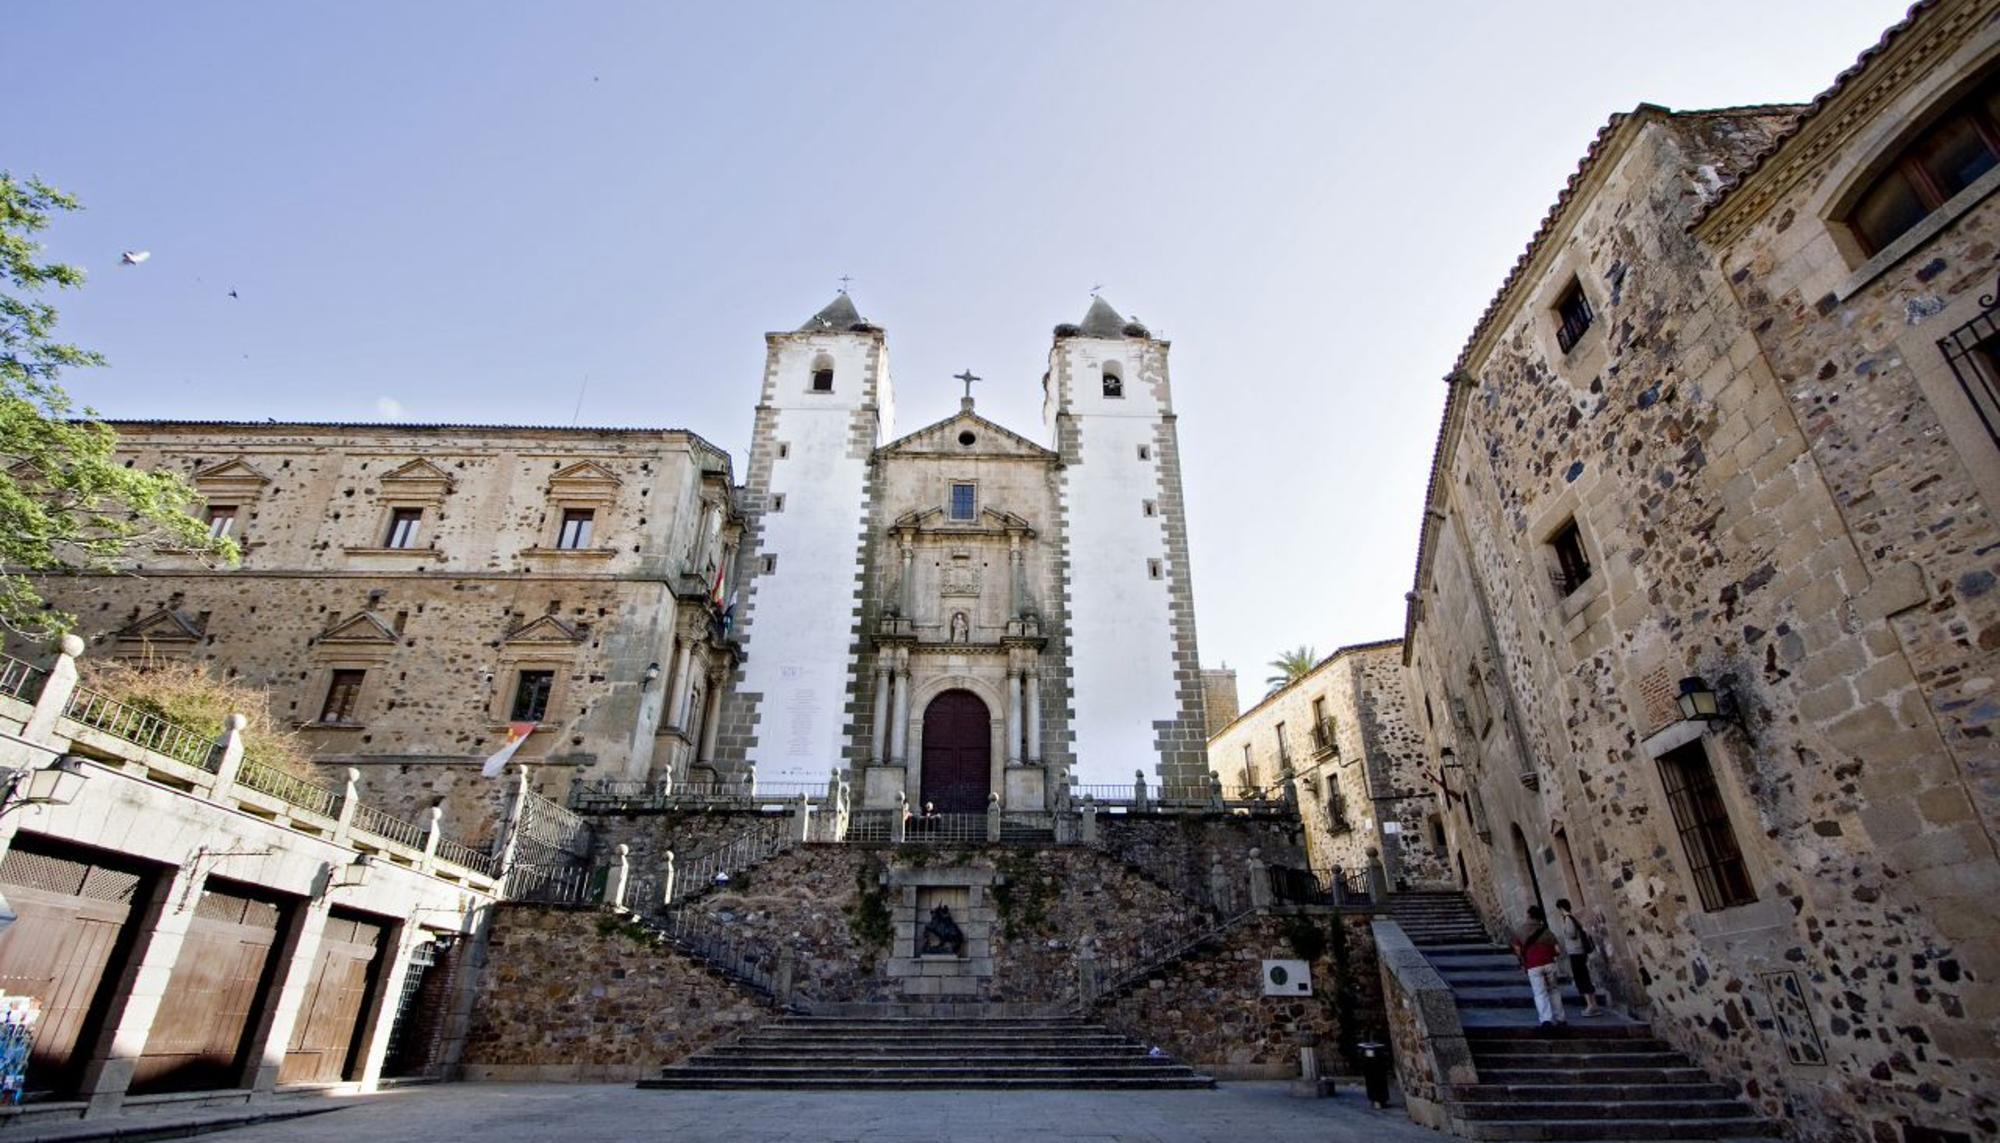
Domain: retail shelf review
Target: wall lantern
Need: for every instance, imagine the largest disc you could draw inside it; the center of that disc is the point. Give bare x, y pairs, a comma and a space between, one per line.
1700, 702
56, 784
357, 872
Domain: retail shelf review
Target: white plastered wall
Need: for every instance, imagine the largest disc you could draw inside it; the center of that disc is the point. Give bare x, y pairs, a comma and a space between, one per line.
1121, 636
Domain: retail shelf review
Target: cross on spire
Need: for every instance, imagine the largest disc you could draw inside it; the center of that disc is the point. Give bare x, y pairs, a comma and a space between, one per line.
844, 279
968, 377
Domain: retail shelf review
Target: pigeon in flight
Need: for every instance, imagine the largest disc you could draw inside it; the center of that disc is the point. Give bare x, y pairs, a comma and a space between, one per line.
134, 257
232, 293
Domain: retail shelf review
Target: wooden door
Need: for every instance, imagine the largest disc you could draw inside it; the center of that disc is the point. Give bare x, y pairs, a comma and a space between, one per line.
221, 976
958, 753
345, 975
73, 924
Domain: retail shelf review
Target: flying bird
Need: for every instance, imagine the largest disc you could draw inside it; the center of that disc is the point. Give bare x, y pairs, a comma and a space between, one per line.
232, 293
134, 257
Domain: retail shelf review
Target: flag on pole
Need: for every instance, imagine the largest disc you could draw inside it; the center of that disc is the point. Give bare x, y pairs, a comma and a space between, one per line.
517, 733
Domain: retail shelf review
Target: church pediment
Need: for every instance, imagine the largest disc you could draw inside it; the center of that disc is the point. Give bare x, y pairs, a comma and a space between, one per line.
584, 480
965, 434
231, 472
164, 626
935, 519
361, 627
544, 629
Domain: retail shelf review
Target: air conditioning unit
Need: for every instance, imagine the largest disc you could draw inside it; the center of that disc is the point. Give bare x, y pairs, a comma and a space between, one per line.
1287, 978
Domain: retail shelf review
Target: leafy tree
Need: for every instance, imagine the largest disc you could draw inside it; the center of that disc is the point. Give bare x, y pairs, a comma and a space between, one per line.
1291, 666
66, 504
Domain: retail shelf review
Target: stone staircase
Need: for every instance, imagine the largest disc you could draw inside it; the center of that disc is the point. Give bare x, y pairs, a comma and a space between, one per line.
822, 1053
1597, 1078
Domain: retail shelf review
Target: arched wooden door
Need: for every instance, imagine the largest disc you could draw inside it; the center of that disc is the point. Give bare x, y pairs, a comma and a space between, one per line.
958, 753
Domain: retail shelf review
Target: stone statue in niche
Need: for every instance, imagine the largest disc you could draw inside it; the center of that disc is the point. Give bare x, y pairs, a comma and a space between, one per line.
942, 936
961, 628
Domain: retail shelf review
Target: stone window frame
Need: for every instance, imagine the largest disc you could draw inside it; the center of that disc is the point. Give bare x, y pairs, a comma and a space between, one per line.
1591, 352
400, 492
822, 366
951, 488
1957, 415
1575, 610
597, 495
319, 683
1725, 761
507, 684
1111, 377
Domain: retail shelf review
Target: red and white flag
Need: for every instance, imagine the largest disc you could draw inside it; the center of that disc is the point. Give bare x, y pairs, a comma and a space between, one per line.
517, 733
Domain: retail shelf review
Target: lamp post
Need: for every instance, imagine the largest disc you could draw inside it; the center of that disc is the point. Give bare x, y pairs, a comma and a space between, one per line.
56, 784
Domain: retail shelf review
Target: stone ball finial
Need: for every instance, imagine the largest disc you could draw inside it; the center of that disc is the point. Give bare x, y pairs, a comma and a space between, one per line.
235, 723
70, 645
353, 774
437, 813
623, 849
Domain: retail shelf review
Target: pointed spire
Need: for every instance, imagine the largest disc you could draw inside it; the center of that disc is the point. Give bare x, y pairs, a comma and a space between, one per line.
1103, 321
838, 314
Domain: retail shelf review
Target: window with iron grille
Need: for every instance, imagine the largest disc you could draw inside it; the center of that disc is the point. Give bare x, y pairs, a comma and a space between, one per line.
343, 694
1573, 316
1946, 159
531, 695
1973, 352
1572, 562
576, 527
964, 501
403, 523
1702, 819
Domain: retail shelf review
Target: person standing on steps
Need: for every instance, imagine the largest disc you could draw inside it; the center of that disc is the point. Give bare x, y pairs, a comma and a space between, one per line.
1537, 949
1579, 946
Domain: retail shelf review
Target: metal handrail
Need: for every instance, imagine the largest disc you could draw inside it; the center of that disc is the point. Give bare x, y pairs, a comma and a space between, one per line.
21, 680
142, 728
714, 866
300, 792
368, 819
465, 856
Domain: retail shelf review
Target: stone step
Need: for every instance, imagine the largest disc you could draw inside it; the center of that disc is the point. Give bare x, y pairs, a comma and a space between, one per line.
918, 1023
1598, 1108
1510, 996
1743, 1126
865, 1039
1468, 949
762, 1048
1503, 1076
821, 1058
1590, 1031
920, 1070
1567, 1090
1096, 1083
1594, 1061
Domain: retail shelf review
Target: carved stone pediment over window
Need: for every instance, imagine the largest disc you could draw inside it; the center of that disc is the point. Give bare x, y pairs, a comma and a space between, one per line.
363, 628
544, 629
584, 482
418, 482
236, 479
165, 628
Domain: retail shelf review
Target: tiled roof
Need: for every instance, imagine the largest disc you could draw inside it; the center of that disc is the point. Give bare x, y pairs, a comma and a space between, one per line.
1808, 111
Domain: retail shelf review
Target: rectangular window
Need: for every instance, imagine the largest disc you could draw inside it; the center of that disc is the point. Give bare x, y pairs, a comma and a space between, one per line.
964, 501
1322, 727
1702, 819
822, 381
1573, 316
784, 450
531, 696
575, 532
1973, 352
1572, 564
1145, 453
777, 502
221, 521
1249, 767
770, 563
343, 694
403, 524
1153, 569
1149, 507
1284, 752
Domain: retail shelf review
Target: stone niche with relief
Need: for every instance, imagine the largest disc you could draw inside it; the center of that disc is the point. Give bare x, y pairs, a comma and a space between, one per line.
967, 892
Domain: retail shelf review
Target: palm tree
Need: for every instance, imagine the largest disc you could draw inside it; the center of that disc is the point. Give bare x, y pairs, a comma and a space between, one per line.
1291, 666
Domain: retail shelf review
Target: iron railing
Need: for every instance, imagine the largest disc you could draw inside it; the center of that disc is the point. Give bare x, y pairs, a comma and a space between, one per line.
714, 866
1970, 350
616, 795
555, 883
20, 680
547, 832
368, 819
1325, 740
142, 728
465, 856
288, 788
1154, 946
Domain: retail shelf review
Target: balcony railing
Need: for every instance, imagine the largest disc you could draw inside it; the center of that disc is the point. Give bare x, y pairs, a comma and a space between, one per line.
465, 856
288, 788
368, 819
1325, 740
20, 680
141, 728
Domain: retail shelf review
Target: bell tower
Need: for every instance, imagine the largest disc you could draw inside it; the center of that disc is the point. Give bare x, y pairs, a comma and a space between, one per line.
1135, 674
826, 404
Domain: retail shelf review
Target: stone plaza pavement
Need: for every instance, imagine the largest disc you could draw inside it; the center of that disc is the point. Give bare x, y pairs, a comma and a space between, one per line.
506, 1113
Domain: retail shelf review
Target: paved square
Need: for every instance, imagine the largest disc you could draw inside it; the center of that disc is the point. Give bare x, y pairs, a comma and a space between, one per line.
520, 1113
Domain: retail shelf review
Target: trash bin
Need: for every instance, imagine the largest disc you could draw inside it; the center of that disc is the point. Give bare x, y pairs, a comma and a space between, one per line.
1375, 1071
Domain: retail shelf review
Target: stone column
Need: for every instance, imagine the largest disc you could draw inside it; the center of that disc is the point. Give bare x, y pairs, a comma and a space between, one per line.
1016, 576
683, 683
882, 706
1013, 716
297, 951
162, 925
899, 714
1033, 681
709, 721
903, 590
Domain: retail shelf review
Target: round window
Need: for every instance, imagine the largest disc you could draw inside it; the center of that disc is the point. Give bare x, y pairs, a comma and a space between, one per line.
968, 438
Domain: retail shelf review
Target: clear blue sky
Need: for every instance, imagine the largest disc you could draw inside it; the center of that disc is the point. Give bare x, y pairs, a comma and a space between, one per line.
459, 211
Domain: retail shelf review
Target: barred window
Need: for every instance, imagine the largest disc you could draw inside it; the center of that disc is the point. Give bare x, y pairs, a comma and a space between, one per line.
343, 694
1702, 819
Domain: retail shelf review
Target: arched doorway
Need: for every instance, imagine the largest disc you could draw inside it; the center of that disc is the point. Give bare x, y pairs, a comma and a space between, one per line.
958, 753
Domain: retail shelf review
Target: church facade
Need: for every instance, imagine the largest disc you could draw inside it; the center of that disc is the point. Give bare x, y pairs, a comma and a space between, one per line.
963, 613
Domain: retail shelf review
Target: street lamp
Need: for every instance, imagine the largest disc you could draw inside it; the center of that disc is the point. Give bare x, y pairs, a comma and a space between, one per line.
56, 784
1699, 702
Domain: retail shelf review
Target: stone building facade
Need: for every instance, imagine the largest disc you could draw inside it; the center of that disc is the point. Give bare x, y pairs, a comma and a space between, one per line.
1343, 744
964, 613
1219, 698
1727, 430
407, 592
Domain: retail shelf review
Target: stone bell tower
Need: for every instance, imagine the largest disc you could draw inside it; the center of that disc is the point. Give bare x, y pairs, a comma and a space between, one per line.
826, 404
1135, 674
